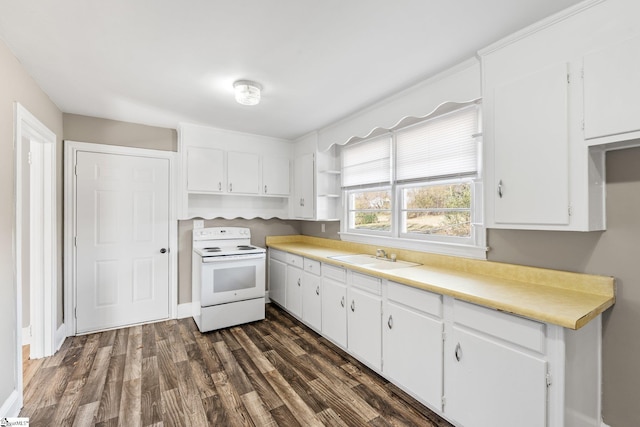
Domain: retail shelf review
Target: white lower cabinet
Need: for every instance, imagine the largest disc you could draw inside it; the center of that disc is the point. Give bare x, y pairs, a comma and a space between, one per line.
412, 342
475, 366
277, 277
311, 295
294, 285
364, 313
334, 304
495, 369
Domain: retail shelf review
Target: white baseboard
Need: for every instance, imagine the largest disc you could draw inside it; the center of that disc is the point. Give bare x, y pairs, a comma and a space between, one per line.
11, 407
184, 310
26, 335
61, 335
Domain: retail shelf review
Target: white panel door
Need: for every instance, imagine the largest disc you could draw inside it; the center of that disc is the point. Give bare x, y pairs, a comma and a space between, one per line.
294, 291
275, 175
205, 170
243, 173
364, 327
334, 311
311, 301
122, 216
303, 183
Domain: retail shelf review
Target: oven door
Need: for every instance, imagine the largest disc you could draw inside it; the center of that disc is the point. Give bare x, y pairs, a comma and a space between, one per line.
228, 280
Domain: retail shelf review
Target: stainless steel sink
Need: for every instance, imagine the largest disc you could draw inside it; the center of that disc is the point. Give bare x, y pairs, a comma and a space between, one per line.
370, 261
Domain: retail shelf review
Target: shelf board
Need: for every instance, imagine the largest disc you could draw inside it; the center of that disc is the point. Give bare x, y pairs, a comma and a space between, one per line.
332, 196
330, 171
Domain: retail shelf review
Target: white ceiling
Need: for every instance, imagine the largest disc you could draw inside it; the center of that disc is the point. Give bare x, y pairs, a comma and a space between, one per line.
161, 62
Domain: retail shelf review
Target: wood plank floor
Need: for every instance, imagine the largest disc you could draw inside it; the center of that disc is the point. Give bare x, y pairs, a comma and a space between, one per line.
276, 372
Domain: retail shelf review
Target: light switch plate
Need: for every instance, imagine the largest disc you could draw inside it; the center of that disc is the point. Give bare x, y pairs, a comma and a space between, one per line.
198, 223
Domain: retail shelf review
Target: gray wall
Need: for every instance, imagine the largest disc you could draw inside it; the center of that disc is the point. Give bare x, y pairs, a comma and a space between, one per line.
113, 132
16, 85
613, 253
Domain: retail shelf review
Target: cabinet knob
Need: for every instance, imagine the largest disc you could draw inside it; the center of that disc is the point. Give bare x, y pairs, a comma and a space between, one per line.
458, 352
317, 290
390, 322
163, 251
342, 302
353, 306
500, 189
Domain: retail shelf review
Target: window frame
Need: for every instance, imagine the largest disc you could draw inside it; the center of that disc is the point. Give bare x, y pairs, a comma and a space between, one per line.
473, 246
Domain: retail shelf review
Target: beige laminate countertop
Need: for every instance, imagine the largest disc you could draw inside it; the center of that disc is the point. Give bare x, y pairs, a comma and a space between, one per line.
562, 298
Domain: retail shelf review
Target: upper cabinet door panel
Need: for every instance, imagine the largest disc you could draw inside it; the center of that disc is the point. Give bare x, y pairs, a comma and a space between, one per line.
244, 173
532, 148
205, 169
275, 176
612, 90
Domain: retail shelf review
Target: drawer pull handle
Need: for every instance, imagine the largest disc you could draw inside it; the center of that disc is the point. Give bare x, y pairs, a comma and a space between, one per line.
458, 352
220, 186
317, 290
390, 322
342, 302
500, 189
265, 189
353, 306
298, 282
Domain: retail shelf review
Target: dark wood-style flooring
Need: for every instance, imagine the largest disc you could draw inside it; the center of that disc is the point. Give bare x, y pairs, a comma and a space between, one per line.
276, 372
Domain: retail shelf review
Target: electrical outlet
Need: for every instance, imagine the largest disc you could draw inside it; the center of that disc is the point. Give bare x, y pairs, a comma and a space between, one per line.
198, 223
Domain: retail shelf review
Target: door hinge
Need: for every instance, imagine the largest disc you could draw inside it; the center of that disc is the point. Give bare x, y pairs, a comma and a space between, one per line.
570, 211
29, 157
75, 241
549, 382
75, 312
444, 402
568, 78
444, 336
75, 170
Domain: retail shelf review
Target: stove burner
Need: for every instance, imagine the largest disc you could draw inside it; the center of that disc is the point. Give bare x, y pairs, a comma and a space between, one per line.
214, 249
245, 247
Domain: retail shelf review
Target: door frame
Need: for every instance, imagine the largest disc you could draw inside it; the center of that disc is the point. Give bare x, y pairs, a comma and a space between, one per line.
43, 295
71, 148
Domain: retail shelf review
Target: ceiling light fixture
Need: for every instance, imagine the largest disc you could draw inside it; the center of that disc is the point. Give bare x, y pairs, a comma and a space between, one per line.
247, 92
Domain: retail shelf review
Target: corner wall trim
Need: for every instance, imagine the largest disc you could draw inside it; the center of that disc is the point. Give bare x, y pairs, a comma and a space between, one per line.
184, 311
61, 335
11, 407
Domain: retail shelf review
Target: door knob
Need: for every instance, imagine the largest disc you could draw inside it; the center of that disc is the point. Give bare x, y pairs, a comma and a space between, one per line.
163, 251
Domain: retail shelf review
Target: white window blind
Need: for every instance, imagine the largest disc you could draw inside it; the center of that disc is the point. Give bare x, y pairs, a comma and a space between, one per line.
441, 147
367, 163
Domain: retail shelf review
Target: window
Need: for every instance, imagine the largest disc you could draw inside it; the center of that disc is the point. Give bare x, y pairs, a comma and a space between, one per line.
418, 185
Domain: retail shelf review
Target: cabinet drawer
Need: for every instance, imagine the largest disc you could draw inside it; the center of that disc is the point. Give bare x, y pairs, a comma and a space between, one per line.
526, 333
278, 255
312, 266
421, 300
367, 283
295, 260
338, 274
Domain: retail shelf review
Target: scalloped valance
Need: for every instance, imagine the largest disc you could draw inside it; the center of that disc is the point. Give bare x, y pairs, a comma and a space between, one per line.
458, 85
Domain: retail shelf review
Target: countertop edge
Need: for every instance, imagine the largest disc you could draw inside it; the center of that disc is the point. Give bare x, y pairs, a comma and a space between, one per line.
601, 301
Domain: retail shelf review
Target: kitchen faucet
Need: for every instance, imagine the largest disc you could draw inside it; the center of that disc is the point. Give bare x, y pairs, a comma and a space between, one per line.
380, 253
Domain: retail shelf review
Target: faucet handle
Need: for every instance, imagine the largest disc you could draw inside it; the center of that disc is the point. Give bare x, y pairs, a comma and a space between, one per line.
393, 257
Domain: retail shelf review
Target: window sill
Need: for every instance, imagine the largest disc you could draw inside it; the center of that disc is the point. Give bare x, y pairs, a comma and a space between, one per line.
451, 249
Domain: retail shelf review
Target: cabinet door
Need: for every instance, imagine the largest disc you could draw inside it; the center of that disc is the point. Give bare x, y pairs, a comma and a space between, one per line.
275, 176
488, 383
412, 352
334, 311
364, 327
205, 170
278, 282
311, 301
243, 173
612, 90
531, 149
294, 290
303, 182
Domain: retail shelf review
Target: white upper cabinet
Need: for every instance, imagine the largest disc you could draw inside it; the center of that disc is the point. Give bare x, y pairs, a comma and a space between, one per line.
275, 175
243, 173
205, 171
230, 175
612, 91
303, 180
531, 148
